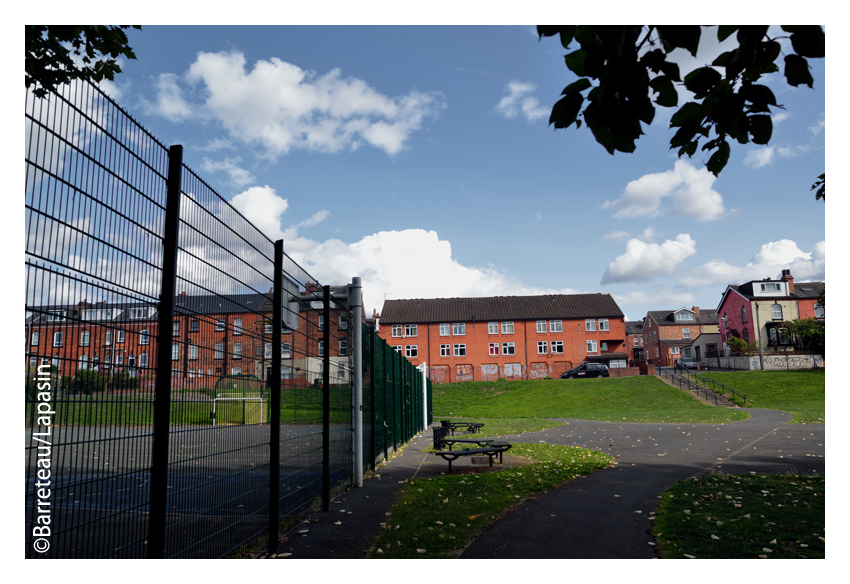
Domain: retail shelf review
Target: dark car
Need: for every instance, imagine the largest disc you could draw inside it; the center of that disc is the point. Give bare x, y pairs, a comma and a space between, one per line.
688, 363
586, 370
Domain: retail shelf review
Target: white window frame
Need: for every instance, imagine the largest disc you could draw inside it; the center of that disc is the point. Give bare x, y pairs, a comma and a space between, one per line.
35, 338
236, 371
411, 351
398, 349
590, 325
219, 350
674, 350
267, 351
84, 362
194, 325
603, 346
542, 347
591, 346
85, 338
286, 350
686, 333
145, 337
459, 350
143, 360
445, 329
343, 347
773, 311
56, 316
508, 327
636, 341
684, 316
771, 287
494, 349
410, 330
220, 325
556, 326
119, 336
541, 326
343, 322
237, 326
820, 312
603, 325
445, 350
492, 328
237, 350
175, 328
508, 349
459, 329
107, 337
321, 348
557, 347
193, 352
58, 338
397, 330
269, 329
175, 352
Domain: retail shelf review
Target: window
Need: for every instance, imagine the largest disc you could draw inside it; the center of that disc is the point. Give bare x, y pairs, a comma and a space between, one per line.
771, 287
176, 328
686, 333
410, 330
219, 325
603, 324
343, 322
591, 346
603, 346
267, 351
725, 322
194, 326
558, 347
542, 347
191, 372
507, 328
743, 314
398, 349
34, 363
85, 337
411, 351
137, 313
237, 326
684, 316
285, 350
590, 325
819, 311
445, 330
776, 310
237, 350
219, 350
84, 361
108, 338
343, 348
460, 350
321, 348
508, 349
144, 337
193, 352
492, 328
119, 336
285, 372
321, 322
674, 350
131, 360
541, 326
143, 360
56, 316
35, 337
556, 326
175, 352
340, 371
445, 350
57, 339
494, 349
636, 342
459, 328
236, 371
269, 329
397, 328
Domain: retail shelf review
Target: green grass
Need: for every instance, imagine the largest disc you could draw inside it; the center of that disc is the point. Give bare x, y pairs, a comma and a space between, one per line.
625, 399
436, 517
726, 516
801, 393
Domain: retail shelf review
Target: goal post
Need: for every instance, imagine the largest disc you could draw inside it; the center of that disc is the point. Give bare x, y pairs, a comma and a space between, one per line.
239, 400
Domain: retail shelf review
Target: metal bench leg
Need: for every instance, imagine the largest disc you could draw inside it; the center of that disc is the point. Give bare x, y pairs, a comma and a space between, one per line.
450, 467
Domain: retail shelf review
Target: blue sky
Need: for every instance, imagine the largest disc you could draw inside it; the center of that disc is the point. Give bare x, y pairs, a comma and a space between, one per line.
420, 158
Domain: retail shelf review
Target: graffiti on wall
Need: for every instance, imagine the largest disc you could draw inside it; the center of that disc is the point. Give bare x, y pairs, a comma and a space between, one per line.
538, 370
489, 372
463, 372
788, 362
512, 370
439, 373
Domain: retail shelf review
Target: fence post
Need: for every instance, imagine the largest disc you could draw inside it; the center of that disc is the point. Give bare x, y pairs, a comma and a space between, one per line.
356, 305
373, 348
274, 399
326, 401
384, 347
165, 338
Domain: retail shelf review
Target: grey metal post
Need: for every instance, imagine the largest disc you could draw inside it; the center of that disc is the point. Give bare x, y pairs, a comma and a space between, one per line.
355, 303
274, 400
326, 401
758, 336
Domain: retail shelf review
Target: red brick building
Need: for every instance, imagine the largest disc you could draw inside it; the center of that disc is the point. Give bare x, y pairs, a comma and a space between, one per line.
518, 337
669, 334
634, 340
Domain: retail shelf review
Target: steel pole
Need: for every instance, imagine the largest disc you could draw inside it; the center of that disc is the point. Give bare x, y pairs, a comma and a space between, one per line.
355, 303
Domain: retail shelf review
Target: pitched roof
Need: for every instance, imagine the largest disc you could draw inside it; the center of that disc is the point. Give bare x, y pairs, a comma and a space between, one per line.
665, 317
802, 291
550, 306
634, 327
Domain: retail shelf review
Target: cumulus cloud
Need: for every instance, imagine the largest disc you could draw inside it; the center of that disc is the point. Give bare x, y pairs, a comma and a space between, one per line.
768, 262
238, 176
616, 236
281, 106
644, 261
819, 125
688, 188
520, 101
759, 157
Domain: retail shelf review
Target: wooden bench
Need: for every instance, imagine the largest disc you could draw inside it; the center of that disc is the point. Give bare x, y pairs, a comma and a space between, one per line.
491, 449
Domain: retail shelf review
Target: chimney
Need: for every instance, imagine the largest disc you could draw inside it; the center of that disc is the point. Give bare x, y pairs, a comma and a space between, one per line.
787, 277
84, 304
183, 294
696, 310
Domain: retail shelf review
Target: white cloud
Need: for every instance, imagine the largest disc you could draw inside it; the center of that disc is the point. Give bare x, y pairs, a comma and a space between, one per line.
819, 125
264, 208
280, 106
519, 100
780, 117
616, 236
759, 157
664, 296
768, 262
688, 187
643, 261
217, 144
239, 176
315, 219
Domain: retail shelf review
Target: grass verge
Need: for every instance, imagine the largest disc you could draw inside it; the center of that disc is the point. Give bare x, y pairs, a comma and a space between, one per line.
749, 516
437, 517
625, 399
801, 393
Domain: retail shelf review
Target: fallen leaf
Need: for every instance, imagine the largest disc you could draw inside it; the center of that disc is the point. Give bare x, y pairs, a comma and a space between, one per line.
714, 536
338, 523
689, 556
420, 551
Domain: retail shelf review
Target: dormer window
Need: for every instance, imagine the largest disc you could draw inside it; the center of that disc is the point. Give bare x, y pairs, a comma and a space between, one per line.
771, 287
687, 316
56, 316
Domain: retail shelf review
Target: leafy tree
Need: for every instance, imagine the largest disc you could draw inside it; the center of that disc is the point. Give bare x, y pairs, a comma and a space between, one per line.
50, 51
810, 333
820, 185
741, 346
632, 76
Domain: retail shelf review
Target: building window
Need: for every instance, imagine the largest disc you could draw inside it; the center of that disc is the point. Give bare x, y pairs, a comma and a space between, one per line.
34, 339
321, 322
137, 313
445, 350
558, 347
175, 330
236, 371
590, 325
591, 346
684, 316
494, 349
636, 342
56, 316
492, 328
674, 350
119, 336
603, 324
343, 348
776, 309
686, 333
340, 371
411, 351
343, 322
85, 337
191, 372
175, 352
507, 328
267, 351
459, 329
84, 361
770, 287
542, 347
410, 330
603, 346
555, 326
508, 349
541, 326
322, 348
107, 340
398, 349
131, 360
269, 329
219, 350
143, 360
57, 339
219, 325
144, 337
397, 328
460, 350
819, 311
285, 350
445, 330
193, 352
194, 326
743, 314
285, 372
237, 326
237, 350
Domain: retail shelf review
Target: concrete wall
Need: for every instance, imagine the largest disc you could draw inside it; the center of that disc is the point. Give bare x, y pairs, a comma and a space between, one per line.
771, 362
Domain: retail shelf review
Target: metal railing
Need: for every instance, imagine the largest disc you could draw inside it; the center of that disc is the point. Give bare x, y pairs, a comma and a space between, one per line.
684, 382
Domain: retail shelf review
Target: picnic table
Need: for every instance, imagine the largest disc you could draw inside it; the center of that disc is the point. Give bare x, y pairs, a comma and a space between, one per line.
486, 446
470, 427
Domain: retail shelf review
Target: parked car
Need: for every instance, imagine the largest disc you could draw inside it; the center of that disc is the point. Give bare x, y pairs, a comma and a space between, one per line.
586, 370
688, 363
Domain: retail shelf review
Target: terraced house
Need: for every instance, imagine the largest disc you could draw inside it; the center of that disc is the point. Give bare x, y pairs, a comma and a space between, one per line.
671, 334
516, 337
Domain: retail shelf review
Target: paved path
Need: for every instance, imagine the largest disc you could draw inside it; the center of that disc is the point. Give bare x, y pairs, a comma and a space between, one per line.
584, 518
